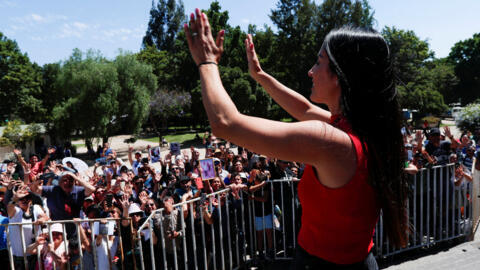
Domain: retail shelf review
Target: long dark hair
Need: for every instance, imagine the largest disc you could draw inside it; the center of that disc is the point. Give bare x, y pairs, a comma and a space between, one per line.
362, 62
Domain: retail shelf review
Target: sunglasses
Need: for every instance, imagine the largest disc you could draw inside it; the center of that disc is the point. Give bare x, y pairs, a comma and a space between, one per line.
24, 199
69, 180
136, 215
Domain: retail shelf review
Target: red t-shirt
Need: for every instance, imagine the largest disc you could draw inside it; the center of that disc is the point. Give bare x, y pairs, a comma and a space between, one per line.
338, 224
36, 169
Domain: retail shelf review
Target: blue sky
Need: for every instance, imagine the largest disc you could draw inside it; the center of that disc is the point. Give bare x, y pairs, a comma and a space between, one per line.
49, 30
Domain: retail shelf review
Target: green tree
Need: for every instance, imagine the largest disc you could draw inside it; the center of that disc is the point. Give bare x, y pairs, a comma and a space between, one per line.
443, 79
167, 104
51, 95
166, 20
302, 26
161, 62
137, 83
465, 55
421, 79
408, 51
93, 89
19, 84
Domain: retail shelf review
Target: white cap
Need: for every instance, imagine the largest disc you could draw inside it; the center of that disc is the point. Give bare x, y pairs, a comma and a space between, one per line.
56, 227
134, 208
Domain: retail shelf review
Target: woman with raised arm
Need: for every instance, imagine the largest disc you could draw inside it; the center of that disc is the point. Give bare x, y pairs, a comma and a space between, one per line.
354, 151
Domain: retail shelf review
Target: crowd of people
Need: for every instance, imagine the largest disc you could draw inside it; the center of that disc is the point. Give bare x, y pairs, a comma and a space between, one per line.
427, 148
43, 189
352, 170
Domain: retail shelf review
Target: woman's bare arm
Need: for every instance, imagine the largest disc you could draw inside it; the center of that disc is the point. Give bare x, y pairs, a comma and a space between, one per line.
327, 148
294, 103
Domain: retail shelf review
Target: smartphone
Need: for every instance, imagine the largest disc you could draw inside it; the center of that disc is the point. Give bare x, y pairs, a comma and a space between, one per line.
203, 198
103, 229
109, 198
3, 167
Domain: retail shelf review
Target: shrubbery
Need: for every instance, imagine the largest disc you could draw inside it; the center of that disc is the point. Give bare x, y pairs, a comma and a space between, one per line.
469, 118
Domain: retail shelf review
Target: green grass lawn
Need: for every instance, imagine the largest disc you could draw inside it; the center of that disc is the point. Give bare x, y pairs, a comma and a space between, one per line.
180, 138
78, 145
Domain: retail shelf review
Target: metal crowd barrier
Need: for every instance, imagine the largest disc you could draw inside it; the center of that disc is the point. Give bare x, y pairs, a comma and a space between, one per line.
76, 235
438, 212
230, 241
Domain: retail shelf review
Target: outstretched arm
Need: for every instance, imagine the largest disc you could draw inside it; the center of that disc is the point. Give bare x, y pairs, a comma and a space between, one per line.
327, 148
294, 103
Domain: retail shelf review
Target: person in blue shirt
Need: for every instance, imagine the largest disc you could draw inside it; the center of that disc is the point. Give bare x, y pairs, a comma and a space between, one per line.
3, 241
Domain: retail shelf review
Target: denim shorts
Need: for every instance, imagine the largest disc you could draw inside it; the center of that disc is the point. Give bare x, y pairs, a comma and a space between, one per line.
260, 220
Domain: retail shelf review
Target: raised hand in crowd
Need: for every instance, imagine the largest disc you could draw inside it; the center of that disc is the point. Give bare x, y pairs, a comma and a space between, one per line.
419, 139
143, 198
42, 218
168, 159
27, 169
448, 133
186, 157
51, 150
125, 203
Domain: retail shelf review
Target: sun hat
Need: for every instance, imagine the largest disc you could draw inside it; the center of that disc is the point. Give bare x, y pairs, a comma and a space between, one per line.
134, 208
56, 227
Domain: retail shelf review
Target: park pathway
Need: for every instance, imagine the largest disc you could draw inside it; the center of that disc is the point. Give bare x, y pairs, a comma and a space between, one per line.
463, 256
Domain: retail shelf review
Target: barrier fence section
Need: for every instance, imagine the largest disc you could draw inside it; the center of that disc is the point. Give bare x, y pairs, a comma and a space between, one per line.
438, 211
231, 228
96, 244
224, 230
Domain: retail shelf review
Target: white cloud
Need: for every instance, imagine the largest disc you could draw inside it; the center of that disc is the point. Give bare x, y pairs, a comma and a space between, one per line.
37, 38
76, 29
245, 21
118, 34
80, 26
8, 4
35, 19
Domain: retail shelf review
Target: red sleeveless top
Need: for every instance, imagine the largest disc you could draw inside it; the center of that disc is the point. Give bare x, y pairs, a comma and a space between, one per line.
338, 224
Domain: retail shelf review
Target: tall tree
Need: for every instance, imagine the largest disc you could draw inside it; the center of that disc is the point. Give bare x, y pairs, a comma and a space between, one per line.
408, 51
295, 47
302, 26
465, 55
137, 83
420, 78
51, 95
19, 84
166, 18
93, 90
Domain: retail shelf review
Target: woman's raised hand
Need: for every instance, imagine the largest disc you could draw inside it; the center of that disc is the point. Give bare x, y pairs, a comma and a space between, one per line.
200, 40
253, 63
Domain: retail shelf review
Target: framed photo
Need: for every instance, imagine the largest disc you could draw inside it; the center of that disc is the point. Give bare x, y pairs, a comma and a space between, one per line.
175, 148
208, 169
155, 154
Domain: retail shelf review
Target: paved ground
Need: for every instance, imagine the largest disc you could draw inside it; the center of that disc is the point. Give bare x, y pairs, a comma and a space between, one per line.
463, 256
